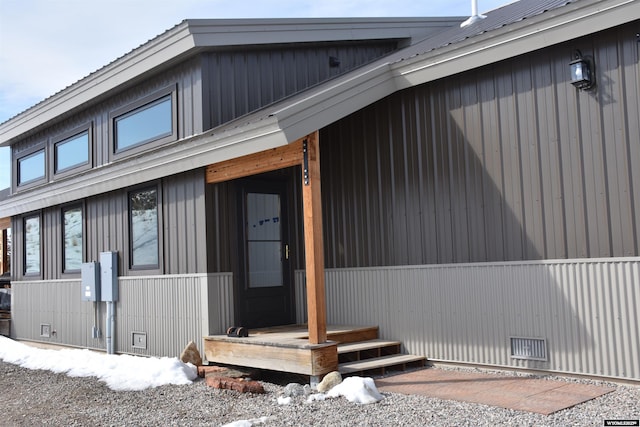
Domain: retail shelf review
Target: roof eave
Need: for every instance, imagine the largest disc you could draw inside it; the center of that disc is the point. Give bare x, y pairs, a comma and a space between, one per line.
191, 36
554, 27
153, 54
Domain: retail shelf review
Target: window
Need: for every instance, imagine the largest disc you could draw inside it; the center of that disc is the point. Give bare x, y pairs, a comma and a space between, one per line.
31, 168
150, 122
32, 245
71, 152
72, 232
143, 226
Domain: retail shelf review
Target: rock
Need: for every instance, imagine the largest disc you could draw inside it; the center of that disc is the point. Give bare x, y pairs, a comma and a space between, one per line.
191, 354
241, 385
307, 390
293, 390
330, 380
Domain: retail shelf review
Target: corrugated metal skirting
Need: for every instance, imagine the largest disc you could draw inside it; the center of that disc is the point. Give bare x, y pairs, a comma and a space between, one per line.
169, 311
586, 310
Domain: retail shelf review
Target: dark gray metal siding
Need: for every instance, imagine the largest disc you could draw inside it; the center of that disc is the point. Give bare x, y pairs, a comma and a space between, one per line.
238, 82
186, 77
182, 229
508, 162
185, 228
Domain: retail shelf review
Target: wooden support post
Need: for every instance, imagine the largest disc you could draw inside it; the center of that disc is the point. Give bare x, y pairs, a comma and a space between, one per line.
314, 250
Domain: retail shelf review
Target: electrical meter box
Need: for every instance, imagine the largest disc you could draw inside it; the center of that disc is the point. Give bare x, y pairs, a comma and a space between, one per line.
90, 278
109, 276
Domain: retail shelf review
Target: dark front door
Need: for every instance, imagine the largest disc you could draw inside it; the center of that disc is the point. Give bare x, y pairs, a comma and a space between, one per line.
264, 285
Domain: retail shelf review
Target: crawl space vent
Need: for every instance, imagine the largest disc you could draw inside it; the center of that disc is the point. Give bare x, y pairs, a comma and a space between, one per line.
529, 348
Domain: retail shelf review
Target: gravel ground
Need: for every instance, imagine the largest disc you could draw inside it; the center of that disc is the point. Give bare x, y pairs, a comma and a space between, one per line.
38, 398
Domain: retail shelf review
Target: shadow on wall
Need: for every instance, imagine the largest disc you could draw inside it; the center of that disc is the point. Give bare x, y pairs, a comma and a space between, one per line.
486, 167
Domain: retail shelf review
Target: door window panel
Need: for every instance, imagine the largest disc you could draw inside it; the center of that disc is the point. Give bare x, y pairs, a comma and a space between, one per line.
263, 240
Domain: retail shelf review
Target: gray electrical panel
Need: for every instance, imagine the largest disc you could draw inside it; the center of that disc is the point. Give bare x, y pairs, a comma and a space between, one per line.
109, 276
90, 278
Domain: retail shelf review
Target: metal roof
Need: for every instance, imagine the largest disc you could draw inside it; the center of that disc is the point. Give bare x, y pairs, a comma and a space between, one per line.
494, 20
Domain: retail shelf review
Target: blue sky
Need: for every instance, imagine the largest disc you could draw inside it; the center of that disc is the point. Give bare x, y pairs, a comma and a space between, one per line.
46, 45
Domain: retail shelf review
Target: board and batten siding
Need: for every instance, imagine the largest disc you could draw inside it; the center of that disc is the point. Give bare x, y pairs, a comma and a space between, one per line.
240, 81
169, 310
507, 162
182, 229
586, 310
186, 78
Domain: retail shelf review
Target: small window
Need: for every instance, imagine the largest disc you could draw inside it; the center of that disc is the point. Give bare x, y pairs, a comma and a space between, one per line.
71, 152
143, 226
150, 122
31, 168
73, 244
32, 245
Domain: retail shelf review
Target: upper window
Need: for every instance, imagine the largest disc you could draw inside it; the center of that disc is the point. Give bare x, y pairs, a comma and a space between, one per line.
31, 168
32, 245
143, 226
72, 232
71, 152
147, 123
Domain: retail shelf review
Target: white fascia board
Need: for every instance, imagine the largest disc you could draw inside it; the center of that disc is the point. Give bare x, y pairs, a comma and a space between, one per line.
156, 53
551, 28
183, 155
212, 33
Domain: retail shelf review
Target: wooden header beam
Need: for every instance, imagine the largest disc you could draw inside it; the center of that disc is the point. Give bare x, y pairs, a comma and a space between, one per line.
253, 164
5, 223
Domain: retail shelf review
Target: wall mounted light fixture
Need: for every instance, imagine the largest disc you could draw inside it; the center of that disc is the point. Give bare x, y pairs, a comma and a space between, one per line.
581, 73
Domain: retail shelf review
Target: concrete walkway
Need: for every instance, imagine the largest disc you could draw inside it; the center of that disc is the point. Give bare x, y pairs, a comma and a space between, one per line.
520, 393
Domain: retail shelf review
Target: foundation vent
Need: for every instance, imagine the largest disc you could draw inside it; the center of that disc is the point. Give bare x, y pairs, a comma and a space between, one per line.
529, 348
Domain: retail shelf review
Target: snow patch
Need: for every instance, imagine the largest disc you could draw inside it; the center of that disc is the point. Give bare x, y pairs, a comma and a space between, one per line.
119, 372
357, 390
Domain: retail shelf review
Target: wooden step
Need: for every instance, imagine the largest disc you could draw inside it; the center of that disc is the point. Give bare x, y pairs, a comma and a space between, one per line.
367, 345
353, 334
352, 352
380, 364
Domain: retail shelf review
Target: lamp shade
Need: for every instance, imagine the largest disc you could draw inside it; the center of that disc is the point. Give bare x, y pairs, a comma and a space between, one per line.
580, 73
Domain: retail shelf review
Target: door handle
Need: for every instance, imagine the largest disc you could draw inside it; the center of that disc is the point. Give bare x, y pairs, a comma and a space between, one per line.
286, 251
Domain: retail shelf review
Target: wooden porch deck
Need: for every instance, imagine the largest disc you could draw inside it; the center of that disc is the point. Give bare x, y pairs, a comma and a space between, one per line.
287, 349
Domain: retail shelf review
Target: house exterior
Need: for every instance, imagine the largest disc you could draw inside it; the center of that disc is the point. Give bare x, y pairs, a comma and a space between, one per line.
474, 205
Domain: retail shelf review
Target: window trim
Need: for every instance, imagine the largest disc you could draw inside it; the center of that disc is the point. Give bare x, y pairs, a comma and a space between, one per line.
23, 155
148, 268
129, 109
88, 128
25, 218
63, 209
